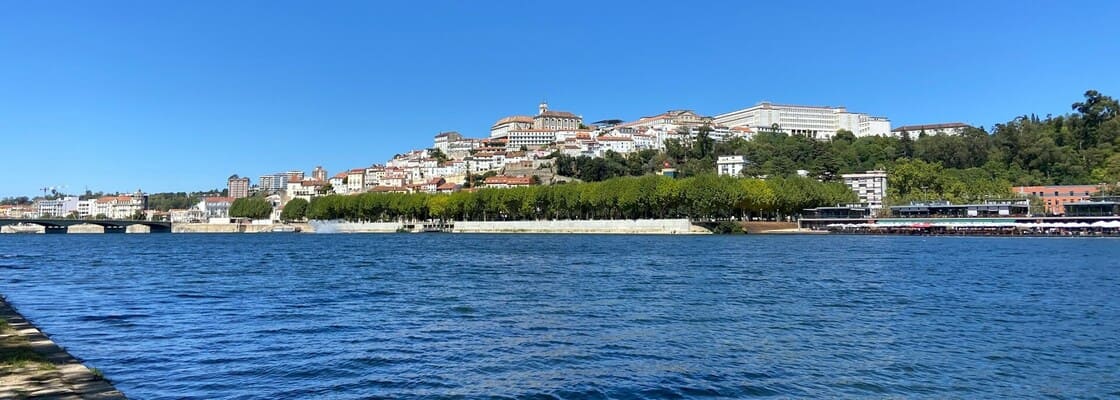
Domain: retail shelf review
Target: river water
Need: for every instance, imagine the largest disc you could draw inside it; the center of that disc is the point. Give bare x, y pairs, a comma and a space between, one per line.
168, 316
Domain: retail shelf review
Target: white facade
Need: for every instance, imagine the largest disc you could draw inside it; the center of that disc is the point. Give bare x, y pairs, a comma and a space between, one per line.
57, 208
530, 138
272, 182
617, 144
731, 165
355, 181
516, 122
215, 207
952, 129
870, 186
811, 121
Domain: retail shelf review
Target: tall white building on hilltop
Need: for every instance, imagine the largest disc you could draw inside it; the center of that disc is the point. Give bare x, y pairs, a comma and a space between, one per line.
812, 121
870, 186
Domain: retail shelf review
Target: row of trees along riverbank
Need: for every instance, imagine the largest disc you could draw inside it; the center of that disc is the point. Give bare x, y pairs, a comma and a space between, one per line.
702, 197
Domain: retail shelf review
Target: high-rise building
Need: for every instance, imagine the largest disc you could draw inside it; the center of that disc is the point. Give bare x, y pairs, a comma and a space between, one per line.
293, 176
870, 186
319, 174
238, 187
811, 121
272, 183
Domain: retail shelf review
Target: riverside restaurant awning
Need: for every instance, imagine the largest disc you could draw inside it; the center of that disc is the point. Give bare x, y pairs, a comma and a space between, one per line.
982, 224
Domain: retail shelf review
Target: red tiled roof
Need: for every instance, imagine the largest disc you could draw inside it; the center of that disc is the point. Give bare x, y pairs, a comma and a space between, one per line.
509, 180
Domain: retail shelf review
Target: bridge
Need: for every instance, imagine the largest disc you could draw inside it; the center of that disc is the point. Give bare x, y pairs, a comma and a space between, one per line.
51, 225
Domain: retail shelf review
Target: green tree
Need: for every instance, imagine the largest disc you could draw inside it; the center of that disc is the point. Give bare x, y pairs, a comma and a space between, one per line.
294, 210
250, 207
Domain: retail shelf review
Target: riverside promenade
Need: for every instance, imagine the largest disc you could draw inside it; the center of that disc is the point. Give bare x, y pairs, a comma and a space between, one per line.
34, 367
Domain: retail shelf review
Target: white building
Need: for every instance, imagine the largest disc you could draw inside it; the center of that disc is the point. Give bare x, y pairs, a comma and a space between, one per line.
617, 144
511, 123
444, 139
731, 165
870, 186
356, 180
273, 182
951, 128
119, 207
812, 121
215, 207
57, 208
530, 138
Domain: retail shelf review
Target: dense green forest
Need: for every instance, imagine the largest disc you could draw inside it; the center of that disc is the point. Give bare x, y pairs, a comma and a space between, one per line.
1082, 147
649, 196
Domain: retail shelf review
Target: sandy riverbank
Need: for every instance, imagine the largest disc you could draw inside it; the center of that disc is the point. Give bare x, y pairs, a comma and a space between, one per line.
34, 367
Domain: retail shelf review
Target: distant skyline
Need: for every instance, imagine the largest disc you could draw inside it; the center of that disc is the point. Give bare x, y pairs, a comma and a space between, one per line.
164, 96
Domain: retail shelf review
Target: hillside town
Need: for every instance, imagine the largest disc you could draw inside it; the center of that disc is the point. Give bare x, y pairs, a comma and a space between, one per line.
520, 151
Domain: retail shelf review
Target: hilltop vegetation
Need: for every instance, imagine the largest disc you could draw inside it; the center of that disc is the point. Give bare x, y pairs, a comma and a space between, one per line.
1082, 147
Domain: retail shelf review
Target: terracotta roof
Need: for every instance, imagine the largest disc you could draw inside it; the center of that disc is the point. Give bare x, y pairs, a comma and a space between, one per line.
515, 118
110, 199
614, 139
388, 189
448, 186
219, 199
561, 114
509, 180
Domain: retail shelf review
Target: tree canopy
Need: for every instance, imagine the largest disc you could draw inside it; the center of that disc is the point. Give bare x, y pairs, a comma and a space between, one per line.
651, 196
250, 207
295, 210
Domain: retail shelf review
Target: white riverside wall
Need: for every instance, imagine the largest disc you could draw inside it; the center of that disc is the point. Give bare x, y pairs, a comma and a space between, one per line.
624, 226
355, 227
621, 226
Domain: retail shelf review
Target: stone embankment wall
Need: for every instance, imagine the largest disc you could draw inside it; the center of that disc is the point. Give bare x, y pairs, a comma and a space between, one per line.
66, 378
234, 228
355, 227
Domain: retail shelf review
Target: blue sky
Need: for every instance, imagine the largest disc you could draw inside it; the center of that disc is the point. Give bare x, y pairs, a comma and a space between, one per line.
177, 96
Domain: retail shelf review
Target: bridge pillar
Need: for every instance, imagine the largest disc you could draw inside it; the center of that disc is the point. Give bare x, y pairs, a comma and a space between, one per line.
138, 228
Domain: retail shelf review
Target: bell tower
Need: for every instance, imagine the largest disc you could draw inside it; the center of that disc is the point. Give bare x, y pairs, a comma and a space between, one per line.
542, 107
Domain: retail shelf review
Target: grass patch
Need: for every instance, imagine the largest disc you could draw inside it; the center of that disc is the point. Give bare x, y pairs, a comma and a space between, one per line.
16, 352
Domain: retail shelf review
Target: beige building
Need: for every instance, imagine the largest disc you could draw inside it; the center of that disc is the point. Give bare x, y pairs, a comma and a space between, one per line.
319, 174
511, 123
555, 120
238, 187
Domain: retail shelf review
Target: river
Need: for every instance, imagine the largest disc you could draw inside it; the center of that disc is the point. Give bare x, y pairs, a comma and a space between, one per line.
273, 316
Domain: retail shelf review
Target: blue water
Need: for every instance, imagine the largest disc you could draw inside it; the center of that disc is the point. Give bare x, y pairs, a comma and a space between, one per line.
534, 316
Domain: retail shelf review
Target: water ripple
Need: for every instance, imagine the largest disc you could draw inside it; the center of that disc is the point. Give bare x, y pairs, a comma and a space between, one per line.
577, 317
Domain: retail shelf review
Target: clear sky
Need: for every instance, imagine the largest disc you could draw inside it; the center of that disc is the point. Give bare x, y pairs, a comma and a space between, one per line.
177, 96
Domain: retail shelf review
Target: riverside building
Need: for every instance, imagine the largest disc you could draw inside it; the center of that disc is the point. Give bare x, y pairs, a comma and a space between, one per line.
811, 121
870, 187
1055, 197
